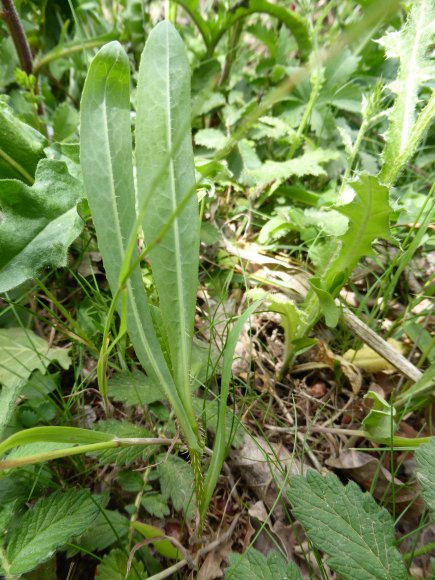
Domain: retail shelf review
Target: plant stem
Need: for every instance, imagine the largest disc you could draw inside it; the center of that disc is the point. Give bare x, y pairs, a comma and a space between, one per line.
13, 22
419, 551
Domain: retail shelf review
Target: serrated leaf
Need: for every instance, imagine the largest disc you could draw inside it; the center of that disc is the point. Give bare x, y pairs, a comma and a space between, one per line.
123, 455
348, 525
155, 504
368, 215
253, 564
133, 389
39, 223
114, 567
109, 527
411, 45
210, 138
21, 146
309, 163
177, 483
165, 176
425, 457
47, 526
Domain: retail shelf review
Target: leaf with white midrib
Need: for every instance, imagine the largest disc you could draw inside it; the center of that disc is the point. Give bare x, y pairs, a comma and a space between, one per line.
107, 166
166, 175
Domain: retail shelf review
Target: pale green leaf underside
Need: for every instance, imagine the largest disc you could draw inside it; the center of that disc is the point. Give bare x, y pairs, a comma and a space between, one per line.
165, 176
50, 524
348, 525
39, 223
425, 457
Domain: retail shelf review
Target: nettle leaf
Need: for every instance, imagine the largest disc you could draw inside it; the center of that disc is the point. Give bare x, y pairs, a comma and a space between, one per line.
123, 455
253, 564
368, 214
21, 146
133, 389
109, 527
177, 483
155, 504
39, 223
348, 525
114, 567
309, 163
411, 45
50, 524
425, 457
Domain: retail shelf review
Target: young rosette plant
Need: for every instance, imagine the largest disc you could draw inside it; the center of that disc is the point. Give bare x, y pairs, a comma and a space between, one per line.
164, 207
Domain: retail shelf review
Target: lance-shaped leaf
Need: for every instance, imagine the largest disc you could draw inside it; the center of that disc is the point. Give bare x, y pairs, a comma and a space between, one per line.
166, 182
425, 457
368, 215
107, 166
39, 223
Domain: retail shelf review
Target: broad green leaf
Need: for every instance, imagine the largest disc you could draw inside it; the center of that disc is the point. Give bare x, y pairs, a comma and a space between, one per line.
166, 179
425, 456
114, 567
327, 304
368, 215
133, 389
163, 547
50, 524
125, 455
65, 121
348, 525
39, 223
177, 483
109, 527
155, 504
21, 352
411, 45
309, 163
253, 564
21, 146
107, 166
380, 423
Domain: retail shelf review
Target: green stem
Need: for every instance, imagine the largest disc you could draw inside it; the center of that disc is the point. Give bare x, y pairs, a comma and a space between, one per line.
419, 552
390, 171
199, 21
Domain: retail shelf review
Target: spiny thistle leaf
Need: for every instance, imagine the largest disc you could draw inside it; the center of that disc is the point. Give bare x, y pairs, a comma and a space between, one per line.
410, 45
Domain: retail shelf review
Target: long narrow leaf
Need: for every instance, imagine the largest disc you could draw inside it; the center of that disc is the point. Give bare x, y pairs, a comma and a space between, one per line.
166, 175
106, 159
